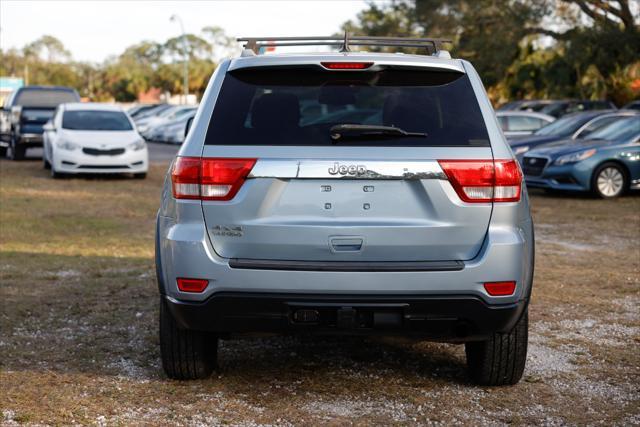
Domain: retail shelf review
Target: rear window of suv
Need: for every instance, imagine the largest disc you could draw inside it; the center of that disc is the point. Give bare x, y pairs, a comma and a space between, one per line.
45, 97
266, 106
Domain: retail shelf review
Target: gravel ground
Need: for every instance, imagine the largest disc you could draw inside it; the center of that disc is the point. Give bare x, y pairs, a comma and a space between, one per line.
78, 328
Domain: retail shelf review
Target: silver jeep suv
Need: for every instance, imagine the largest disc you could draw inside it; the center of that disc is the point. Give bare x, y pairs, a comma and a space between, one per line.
347, 192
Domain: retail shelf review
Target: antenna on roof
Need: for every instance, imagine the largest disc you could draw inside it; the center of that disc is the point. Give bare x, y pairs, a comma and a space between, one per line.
345, 45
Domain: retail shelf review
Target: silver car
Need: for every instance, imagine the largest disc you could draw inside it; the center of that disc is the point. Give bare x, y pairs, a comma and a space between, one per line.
516, 124
415, 225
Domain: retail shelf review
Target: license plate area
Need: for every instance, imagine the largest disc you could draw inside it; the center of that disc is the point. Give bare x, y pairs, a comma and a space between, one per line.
345, 316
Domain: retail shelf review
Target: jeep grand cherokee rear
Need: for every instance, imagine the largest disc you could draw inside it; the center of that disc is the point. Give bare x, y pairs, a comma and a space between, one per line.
350, 193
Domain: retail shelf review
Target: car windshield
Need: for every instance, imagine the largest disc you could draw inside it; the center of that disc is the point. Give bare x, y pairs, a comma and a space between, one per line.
300, 107
96, 120
620, 130
44, 97
564, 126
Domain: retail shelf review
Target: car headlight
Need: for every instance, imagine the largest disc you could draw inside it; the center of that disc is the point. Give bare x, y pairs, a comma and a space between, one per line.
67, 145
521, 150
138, 145
575, 157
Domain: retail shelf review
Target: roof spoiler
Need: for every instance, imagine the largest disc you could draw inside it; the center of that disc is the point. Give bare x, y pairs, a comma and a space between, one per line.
256, 45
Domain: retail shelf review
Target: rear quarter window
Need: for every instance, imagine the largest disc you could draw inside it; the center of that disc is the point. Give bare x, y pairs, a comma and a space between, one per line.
266, 106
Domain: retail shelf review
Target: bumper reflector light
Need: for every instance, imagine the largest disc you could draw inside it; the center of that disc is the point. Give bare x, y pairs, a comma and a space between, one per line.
500, 289
192, 285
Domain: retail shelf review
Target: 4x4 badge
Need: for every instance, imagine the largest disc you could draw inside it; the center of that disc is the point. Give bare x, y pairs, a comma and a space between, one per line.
337, 168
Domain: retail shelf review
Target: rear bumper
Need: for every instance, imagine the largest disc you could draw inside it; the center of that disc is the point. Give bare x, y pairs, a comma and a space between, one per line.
183, 250
450, 318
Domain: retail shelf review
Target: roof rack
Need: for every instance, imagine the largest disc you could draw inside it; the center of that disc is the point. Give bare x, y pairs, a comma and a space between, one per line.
432, 46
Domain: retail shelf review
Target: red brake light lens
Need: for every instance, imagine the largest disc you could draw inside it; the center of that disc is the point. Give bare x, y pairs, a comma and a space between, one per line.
500, 289
347, 65
209, 179
222, 178
192, 285
483, 181
185, 177
508, 181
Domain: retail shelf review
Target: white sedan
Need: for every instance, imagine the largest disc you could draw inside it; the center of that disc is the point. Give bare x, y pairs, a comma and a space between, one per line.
93, 138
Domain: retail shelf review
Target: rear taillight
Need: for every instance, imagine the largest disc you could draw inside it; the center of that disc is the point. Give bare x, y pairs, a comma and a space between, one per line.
209, 179
482, 181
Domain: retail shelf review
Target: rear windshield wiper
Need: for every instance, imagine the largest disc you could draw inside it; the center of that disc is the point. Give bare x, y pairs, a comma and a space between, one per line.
353, 131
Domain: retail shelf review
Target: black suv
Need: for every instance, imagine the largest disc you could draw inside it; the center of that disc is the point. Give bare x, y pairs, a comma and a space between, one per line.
26, 111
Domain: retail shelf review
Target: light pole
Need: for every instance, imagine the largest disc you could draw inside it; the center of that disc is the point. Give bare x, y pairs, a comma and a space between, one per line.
175, 18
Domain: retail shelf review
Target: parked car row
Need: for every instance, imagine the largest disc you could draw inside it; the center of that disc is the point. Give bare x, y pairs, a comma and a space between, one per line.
592, 151
76, 137
162, 122
557, 108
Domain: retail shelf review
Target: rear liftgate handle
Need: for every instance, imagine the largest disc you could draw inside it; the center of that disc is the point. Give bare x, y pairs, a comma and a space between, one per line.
346, 244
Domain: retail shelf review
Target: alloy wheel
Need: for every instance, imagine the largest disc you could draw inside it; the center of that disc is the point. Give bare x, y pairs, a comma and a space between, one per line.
610, 181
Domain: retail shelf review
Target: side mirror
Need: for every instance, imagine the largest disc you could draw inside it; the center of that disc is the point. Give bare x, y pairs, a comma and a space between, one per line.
16, 111
49, 127
188, 126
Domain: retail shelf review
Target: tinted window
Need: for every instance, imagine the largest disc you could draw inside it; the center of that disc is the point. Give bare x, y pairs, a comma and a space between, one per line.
504, 123
555, 110
524, 123
180, 113
564, 126
597, 124
95, 120
44, 97
298, 107
620, 130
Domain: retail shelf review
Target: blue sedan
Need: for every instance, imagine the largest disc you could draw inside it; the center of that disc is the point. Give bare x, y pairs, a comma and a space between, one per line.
607, 164
572, 126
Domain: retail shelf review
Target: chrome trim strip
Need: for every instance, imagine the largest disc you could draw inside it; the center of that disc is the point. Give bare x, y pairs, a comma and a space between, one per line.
347, 169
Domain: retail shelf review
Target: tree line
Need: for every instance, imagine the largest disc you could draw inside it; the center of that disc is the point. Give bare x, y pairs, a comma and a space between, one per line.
527, 48
521, 48
140, 67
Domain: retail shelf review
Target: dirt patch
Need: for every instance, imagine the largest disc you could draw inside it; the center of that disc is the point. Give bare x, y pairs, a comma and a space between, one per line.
78, 328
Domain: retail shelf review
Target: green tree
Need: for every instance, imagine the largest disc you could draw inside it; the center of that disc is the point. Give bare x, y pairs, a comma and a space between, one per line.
503, 40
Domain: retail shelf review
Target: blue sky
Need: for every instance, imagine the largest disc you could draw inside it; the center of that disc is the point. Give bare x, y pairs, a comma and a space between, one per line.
94, 30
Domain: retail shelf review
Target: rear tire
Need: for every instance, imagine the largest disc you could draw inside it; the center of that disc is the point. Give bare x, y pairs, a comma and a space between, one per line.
16, 151
186, 354
501, 359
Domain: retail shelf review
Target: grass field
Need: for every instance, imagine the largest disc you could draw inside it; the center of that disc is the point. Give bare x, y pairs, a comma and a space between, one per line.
78, 327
